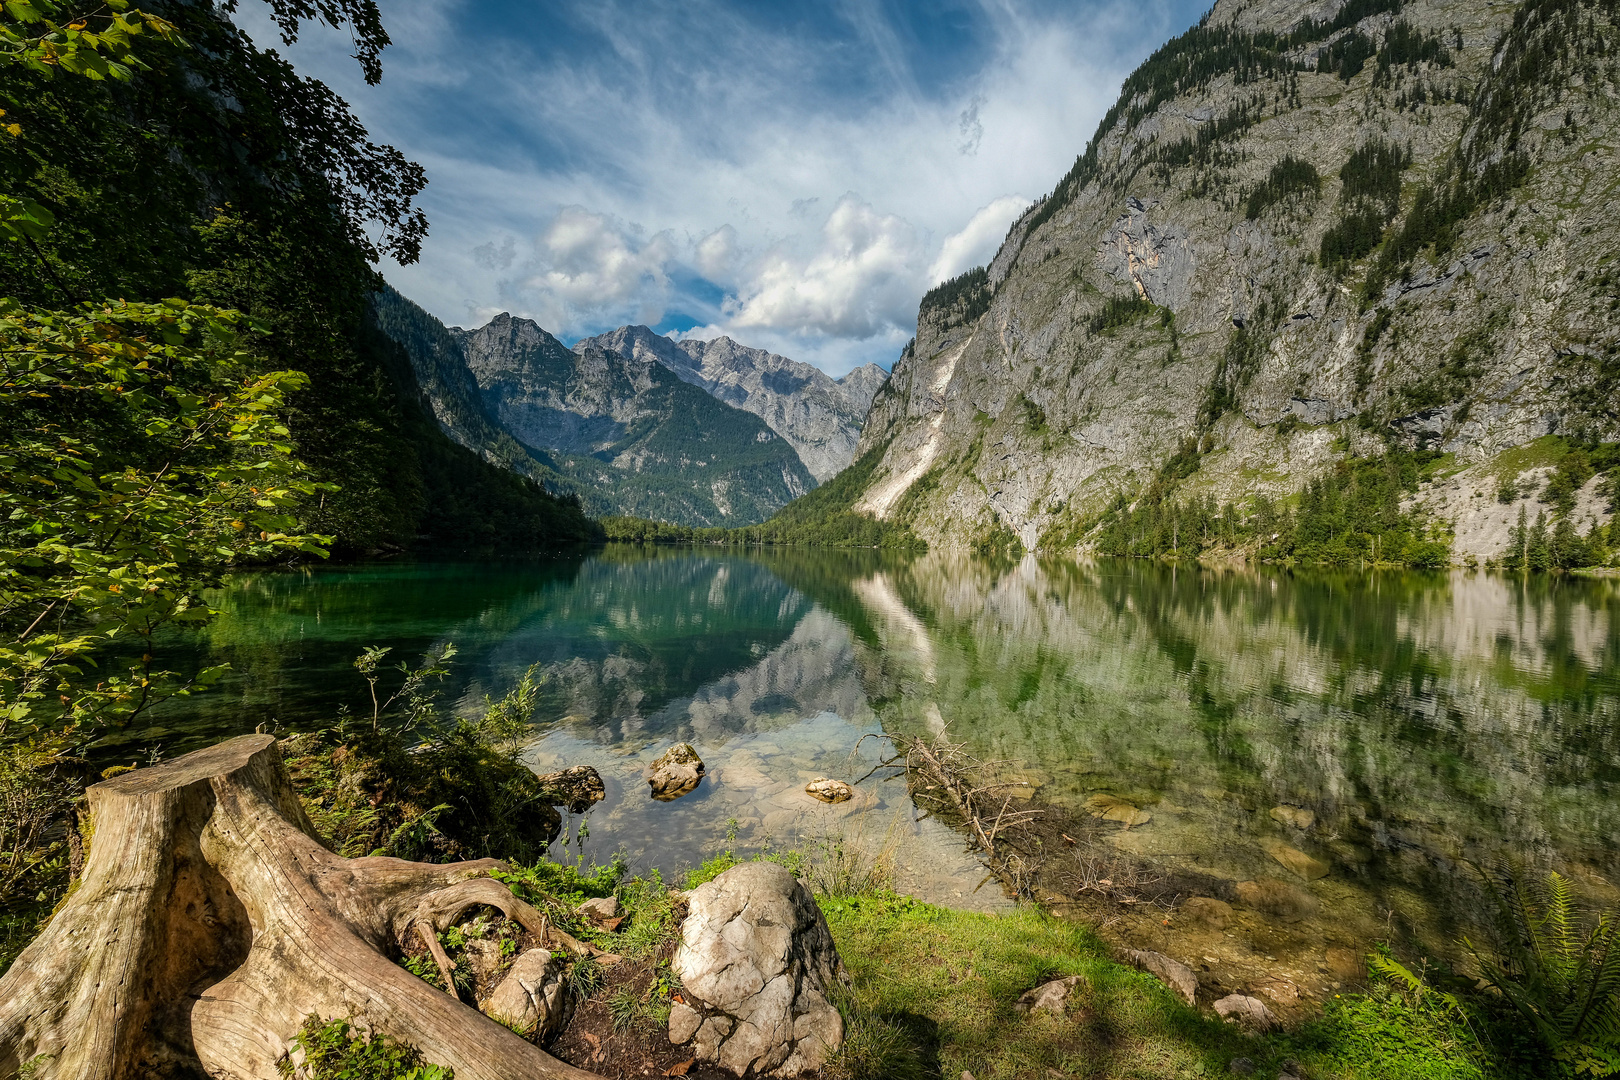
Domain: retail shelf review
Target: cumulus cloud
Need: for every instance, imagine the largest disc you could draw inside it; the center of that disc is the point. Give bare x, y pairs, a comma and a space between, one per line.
593, 263
978, 240
730, 133
860, 278
716, 254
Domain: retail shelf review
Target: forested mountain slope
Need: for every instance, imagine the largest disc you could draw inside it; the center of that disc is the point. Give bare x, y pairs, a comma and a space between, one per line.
626, 433
1310, 239
217, 174
818, 415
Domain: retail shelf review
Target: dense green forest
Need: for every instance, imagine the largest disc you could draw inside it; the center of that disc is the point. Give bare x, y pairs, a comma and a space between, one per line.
1352, 514
216, 174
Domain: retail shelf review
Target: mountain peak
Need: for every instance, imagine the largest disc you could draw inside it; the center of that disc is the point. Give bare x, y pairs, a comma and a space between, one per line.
820, 417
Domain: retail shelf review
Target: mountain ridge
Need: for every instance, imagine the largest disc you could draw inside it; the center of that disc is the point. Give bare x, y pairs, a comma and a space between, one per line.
818, 415
625, 435
1305, 233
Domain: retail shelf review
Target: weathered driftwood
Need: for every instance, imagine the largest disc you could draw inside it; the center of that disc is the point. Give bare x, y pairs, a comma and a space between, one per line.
209, 922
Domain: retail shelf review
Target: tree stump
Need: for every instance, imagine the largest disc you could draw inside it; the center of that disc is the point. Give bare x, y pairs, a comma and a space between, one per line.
209, 922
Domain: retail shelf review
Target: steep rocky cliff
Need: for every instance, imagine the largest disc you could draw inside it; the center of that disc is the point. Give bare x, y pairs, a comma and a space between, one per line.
818, 415
449, 391
629, 436
1305, 231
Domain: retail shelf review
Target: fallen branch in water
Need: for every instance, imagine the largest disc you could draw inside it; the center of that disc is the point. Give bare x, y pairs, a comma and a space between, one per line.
939, 772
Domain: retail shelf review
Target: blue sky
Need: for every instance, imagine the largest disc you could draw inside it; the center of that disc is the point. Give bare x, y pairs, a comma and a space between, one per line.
794, 175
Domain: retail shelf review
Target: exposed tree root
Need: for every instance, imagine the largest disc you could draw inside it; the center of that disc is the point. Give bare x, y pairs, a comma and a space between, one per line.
209, 922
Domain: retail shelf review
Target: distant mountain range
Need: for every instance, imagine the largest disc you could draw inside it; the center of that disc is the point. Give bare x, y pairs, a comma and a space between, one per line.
818, 415
695, 433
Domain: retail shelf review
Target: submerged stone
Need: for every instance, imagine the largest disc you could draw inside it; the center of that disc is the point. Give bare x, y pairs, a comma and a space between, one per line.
828, 790
1297, 816
1206, 912
1251, 1012
1306, 866
676, 772
1111, 809
1288, 902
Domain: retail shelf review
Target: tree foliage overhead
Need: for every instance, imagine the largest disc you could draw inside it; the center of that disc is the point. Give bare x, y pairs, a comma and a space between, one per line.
144, 455
216, 173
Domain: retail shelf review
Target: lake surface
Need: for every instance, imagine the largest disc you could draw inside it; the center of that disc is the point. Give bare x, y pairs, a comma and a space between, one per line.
1421, 720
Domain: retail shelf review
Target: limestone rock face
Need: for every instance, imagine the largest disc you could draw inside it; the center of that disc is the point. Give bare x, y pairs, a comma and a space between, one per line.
1059, 388
531, 995
577, 788
627, 434
819, 416
757, 963
676, 772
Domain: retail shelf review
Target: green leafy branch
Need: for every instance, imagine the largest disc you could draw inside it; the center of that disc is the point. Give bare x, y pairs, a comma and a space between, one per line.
142, 459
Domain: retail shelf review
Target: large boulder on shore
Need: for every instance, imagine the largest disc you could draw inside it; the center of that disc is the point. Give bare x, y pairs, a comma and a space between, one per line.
758, 965
530, 998
675, 772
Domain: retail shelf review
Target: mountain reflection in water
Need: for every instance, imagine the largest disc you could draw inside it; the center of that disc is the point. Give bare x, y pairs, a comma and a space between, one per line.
1423, 720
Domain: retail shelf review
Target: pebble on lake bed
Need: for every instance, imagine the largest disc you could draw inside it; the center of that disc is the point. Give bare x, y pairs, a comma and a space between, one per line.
1111, 809
1297, 816
828, 790
1248, 1011
1306, 866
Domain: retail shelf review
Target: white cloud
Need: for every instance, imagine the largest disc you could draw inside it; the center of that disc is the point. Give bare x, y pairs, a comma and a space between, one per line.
731, 139
978, 240
858, 281
716, 254
594, 264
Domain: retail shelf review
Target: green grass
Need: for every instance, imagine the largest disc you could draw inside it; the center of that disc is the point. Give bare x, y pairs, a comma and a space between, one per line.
934, 993
1545, 451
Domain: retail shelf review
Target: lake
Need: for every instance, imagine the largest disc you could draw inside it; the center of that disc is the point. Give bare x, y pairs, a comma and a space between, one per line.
1401, 725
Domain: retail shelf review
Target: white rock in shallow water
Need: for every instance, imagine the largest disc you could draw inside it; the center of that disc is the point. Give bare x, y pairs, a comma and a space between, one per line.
530, 998
828, 790
757, 964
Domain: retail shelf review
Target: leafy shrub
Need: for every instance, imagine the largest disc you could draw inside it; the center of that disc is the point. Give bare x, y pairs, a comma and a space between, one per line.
338, 1050
411, 786
1563, 979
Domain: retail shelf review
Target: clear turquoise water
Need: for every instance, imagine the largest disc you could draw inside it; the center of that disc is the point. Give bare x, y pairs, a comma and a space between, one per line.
1424, 720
